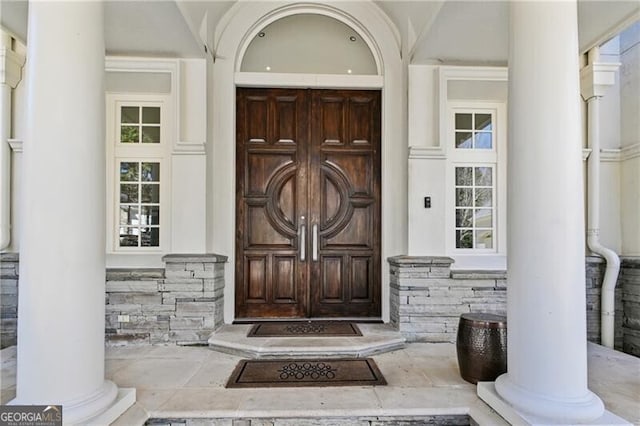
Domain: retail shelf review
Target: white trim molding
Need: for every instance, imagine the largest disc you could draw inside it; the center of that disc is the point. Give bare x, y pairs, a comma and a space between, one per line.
615, 155
630, 152
11, 64
16, 145
427, 152
185, 148
291, 80
463, 73
232, 35
596, 78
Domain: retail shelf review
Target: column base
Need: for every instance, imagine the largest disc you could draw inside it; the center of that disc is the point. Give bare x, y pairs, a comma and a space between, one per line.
487, 392
100, 408
125, 399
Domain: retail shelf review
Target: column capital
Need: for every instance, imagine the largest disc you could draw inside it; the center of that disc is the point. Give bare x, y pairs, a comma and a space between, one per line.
596, 78
10, 67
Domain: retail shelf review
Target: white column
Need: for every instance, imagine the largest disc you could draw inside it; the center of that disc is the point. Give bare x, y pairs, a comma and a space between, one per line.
547, 341
62, 258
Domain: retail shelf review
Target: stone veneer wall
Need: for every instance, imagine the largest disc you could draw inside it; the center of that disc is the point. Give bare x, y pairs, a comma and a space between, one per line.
630, 282
427, 297
181, 304
8, 299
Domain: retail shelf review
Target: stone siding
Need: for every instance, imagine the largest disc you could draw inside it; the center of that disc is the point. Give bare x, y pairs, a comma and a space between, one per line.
630, 282
8, 299
180, 304
427, 298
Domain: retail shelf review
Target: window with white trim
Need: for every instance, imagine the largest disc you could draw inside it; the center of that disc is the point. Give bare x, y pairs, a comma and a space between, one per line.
476, 178
138, 190
474, 207
139, 124
139, 224
474, 130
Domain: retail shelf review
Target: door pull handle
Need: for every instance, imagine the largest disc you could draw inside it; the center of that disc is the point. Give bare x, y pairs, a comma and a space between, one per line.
314, 243
303, 243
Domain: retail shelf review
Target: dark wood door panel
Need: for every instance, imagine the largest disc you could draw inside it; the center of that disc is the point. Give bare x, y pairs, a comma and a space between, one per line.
345, 166
271, 182
308, 162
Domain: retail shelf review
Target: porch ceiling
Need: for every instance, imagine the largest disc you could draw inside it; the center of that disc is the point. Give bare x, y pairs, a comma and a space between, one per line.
449, 31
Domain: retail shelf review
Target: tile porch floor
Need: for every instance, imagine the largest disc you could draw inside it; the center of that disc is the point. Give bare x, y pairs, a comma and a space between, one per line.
423, 379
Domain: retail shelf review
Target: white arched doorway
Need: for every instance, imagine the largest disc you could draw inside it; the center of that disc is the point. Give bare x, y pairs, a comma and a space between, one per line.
233, 35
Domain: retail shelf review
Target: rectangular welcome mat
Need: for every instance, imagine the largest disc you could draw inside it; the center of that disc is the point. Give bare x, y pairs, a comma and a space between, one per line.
304, 328
305, 372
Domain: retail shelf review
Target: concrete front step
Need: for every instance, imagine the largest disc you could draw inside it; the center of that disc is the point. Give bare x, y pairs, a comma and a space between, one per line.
437, 420
375, 339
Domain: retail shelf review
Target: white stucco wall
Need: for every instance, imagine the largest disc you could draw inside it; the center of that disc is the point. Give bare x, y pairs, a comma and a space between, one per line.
432, 91
630, 139
180, 84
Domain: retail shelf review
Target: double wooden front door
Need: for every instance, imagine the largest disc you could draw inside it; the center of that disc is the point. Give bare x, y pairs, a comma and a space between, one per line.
307, 203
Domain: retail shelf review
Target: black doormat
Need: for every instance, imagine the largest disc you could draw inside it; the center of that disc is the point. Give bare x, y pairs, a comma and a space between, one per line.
304, 328
305, 372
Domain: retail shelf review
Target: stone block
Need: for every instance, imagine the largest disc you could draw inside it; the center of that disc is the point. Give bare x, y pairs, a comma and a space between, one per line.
186, 323
144, 323
167, 309
439, 272
631, 341
175, 266
490, 283
208, 274
124, 309
135, 298
194, 266
134, 274
127, 339
8, 339
180, 281
9, 312
423, 327
8, 271
140, 286
438, 310
111, 321
9, 286
186, 286
194, 308
179, 274
158, 337
175, 297
9, 300
434, 301
190, 336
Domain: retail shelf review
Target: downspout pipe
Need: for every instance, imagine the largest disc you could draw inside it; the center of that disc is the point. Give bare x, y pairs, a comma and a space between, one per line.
607, 298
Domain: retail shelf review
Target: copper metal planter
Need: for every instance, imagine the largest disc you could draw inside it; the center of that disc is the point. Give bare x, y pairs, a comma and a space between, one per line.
482, 347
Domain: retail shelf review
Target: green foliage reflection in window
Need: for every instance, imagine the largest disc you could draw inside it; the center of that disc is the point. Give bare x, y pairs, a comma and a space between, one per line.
139, 124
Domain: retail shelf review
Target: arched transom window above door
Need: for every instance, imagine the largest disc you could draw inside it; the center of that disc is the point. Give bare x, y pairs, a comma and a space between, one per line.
309, 44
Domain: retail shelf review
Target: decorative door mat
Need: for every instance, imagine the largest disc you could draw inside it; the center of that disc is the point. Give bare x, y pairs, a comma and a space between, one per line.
308, 328
305, 372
